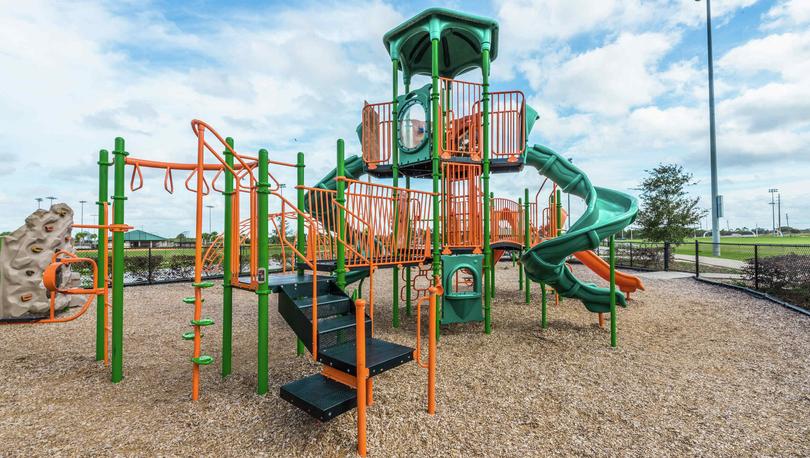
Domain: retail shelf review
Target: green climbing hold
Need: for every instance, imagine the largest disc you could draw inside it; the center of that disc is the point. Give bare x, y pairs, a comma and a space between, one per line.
202, 322
190, 335
203, 360
203, 284
190, 299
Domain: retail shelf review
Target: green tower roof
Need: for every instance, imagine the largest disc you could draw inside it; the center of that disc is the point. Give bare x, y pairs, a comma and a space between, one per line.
462, 37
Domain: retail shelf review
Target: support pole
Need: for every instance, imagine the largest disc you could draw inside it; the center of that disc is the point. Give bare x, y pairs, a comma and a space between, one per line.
520, 270
526, 237
362, 375
395, 171
340, 268
407, 269
485, 178
227, 265
492, 258
101, 255
612, 291
437, 134
118, 263
432, 351
543, 306
300, 235
263, 290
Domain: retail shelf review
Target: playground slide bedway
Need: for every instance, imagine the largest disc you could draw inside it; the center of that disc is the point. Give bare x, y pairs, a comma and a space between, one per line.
607, 213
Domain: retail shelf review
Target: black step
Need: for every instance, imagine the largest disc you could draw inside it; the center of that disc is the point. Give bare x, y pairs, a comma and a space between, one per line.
328, 305
380, 356
320, 397
338, 330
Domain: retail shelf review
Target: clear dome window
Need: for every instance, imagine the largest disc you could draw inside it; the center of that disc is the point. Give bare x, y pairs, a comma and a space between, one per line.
412, 126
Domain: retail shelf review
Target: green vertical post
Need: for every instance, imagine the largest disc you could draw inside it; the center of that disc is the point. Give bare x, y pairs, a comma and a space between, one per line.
526, 241
263, 290
101, 255
437, 137
612, 291
301, 237
520, 270
395, 172
340, 268
119, 198
408, 268
227, 287
485, 179
558, 202
543, 316
492, 264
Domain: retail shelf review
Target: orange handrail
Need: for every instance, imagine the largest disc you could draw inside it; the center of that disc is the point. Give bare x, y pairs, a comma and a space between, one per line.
312, 241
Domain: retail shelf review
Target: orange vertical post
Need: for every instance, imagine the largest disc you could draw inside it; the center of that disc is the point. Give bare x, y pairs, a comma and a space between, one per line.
432, 352
362, 375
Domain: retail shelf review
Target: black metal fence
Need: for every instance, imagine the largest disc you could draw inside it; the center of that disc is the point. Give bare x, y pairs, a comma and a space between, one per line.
782, 271
651, 256
779, 270
155, 265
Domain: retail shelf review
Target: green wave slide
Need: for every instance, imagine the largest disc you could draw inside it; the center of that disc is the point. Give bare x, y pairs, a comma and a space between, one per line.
608, 212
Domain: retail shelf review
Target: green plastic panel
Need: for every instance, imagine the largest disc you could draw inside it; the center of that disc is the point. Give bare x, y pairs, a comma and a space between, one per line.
462, 37
462, 306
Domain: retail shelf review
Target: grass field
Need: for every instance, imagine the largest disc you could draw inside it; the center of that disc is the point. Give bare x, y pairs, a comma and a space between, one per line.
742, 248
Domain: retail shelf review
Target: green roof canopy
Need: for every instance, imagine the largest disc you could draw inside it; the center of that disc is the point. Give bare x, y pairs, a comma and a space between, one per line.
141, 236
462, 37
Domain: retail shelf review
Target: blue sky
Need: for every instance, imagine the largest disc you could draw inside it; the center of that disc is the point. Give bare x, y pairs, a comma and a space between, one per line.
620, 86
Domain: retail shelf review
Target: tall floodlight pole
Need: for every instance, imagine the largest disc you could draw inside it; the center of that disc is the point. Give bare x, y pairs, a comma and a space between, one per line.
51, 198
82, 213
209, 207
779, 212
773, 191
712, 138
39, 202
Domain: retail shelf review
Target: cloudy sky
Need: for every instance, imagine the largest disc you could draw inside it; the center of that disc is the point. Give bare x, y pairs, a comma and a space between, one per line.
620, 86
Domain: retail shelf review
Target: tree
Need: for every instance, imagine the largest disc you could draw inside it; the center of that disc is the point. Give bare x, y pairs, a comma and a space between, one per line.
668, 213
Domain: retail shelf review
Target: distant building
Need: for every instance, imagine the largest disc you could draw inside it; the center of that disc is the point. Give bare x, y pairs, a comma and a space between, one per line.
142, 239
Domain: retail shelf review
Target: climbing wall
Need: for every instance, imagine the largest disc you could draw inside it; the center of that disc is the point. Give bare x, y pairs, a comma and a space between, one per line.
25, 254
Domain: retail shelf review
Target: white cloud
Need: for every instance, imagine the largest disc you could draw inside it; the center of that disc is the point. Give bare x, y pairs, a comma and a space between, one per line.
614, 78
787, 13
282, 78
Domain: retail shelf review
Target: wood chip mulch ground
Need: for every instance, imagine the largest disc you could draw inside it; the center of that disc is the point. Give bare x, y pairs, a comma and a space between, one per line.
699, 370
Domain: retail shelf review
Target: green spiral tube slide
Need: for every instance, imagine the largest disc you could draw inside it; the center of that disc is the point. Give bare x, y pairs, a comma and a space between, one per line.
608, 212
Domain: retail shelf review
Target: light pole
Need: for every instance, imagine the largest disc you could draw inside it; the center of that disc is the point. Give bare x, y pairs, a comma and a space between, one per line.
712, 137
779, 212
773, 209
209, 207
39, 202
51, 198
82, 213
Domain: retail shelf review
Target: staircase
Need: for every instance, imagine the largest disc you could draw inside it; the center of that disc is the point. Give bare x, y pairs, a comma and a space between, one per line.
322, 395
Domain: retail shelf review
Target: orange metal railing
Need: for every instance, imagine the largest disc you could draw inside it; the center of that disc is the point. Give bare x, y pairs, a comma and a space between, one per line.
377, 130
507, 125
462, 212
374, 211
506, 224
460, 107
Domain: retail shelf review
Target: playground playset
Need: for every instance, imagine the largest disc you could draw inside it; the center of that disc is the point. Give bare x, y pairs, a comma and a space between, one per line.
441, 246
